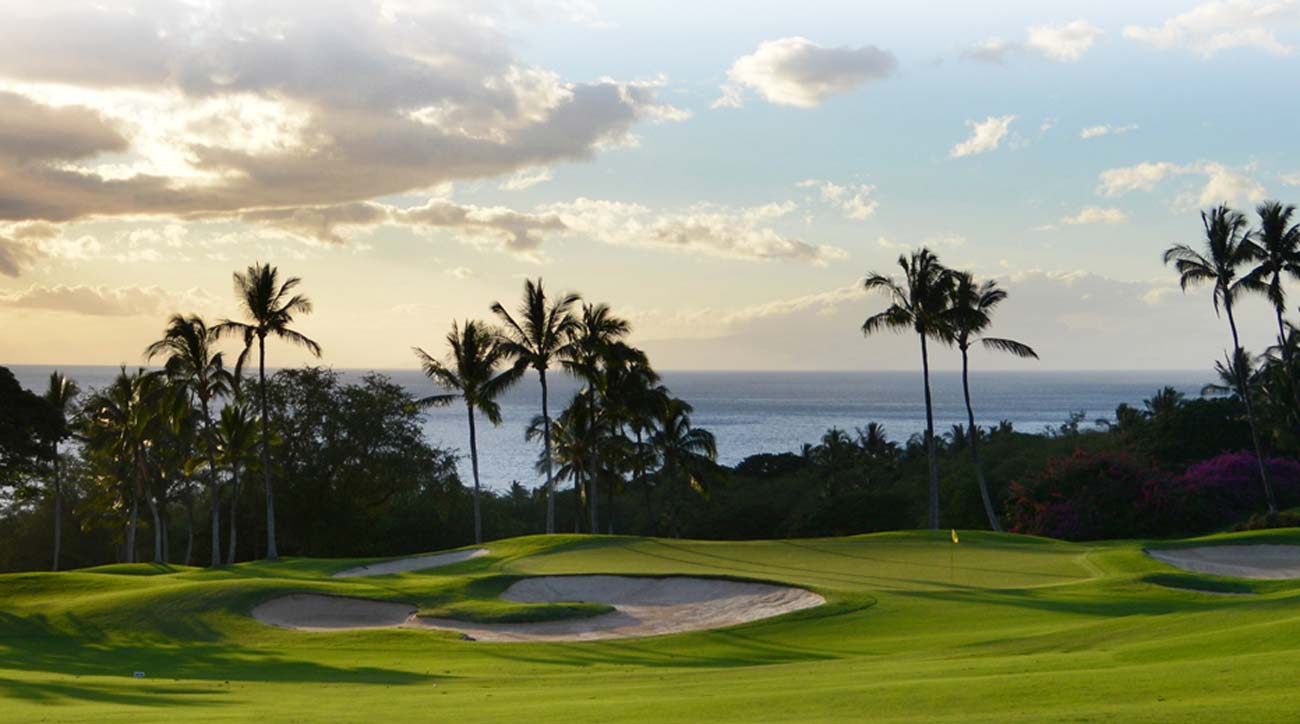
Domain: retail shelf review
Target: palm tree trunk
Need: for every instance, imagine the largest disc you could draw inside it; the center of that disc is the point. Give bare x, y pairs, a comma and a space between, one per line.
546, 438
131, 526
157, 529
473, 457
58, 509
1286, 354
577, 501
594, 479
234, 511
189, 525
645, 485
214, 490
931, 454
975, 444
271, 552
1243, 389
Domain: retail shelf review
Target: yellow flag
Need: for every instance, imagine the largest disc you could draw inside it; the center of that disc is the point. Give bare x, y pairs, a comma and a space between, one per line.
954, 536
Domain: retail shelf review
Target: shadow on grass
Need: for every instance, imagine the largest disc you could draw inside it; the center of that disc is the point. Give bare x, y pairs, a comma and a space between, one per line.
192, 651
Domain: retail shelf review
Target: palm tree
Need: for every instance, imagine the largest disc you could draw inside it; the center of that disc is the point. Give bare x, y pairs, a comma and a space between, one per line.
471, 370
687, 454
236, 436
116, 423
571, 441
1279, 241
60, 394
539, 337
631, 390
971, 313
1229, 247
918, 304
191, 361
269, 306
596, 345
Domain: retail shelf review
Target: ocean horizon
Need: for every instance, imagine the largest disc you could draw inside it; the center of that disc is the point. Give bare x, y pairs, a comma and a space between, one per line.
767, 412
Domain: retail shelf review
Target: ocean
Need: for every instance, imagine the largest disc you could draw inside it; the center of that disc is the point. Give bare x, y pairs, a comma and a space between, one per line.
753, 412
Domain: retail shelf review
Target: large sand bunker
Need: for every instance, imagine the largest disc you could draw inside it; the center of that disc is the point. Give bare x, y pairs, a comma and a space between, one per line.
642, 607
314, 612
1241, 561
417, 563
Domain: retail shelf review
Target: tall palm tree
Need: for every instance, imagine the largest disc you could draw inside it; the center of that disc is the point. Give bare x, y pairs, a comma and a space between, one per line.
1229, 248
236, 436
472, 371
269, 306
60, 394
971, 306
116, 423
187, 344
1279, 242
596, 346
536, 339
630, 389
918, 303
570, 453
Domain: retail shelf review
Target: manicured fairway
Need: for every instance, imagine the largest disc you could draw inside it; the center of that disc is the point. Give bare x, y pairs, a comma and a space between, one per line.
995, 629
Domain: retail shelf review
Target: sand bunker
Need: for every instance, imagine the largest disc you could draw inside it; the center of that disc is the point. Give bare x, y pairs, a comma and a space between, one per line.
417, 563
313, 612
642, 607
1241, 561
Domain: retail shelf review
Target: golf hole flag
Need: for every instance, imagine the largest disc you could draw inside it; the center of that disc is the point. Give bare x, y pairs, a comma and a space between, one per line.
955, 539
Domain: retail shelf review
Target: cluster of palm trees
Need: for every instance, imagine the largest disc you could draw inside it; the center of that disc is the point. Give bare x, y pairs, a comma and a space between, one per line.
150, 434
952, 308
1237, 261
623, 428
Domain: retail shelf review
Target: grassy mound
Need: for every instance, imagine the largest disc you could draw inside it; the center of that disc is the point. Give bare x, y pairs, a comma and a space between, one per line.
997, 628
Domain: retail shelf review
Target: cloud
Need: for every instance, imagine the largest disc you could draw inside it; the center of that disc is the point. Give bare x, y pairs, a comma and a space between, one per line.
709, 229
125, 108
461, 272
853, 200
509, 230
797, 72
1222, 184
1212, 27
102, 301
1290, 179
1062, 43
526, 179
1096, 215
942, 241
985, 136
1107, 129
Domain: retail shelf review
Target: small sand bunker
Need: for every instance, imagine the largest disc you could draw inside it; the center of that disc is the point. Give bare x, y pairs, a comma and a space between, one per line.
416, 563
314, 612
642, 607
1241, 561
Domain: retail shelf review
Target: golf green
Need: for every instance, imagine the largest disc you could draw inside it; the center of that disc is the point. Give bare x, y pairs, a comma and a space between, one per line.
995, 628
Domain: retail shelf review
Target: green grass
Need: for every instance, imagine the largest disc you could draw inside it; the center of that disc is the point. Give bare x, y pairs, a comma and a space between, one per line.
995, 629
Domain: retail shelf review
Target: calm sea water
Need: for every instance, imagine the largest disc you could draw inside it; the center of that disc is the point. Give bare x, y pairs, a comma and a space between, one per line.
752, 412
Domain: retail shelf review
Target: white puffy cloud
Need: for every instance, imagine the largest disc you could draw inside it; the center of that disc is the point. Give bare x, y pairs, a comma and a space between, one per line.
1223, 25
1096, 215
1065, 43
798, 72
985, 136
1106, 130
1222, 183
710, 229
525, 179
854, 200
1290, 179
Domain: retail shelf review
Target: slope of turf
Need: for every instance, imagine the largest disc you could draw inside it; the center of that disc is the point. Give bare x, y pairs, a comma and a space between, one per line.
996, 628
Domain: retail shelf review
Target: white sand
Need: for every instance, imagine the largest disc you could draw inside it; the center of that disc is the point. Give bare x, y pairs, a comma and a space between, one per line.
417, 563
642, 607
313, 612
1241, 561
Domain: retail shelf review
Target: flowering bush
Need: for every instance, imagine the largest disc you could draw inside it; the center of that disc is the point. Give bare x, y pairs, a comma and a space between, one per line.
1086, 496
1113, 495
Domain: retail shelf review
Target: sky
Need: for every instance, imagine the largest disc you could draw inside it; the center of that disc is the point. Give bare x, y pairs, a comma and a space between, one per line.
723, 174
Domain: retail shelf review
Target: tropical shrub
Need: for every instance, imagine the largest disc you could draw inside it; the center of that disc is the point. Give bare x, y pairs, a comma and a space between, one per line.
1087, 496
1219, 492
